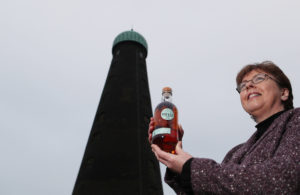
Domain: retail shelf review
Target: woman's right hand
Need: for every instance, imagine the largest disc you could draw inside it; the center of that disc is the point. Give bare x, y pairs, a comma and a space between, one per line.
151, 129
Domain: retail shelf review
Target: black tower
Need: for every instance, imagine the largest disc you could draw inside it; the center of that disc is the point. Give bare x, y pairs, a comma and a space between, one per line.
118, 158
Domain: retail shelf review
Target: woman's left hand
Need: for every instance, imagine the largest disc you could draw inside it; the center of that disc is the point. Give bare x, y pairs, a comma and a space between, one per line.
174, 162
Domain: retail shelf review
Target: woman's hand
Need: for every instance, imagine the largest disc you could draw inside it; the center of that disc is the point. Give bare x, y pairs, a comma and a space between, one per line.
151, 129
174, 162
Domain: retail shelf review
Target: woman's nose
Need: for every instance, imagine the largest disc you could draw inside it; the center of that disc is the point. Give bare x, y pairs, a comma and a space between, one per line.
249, 85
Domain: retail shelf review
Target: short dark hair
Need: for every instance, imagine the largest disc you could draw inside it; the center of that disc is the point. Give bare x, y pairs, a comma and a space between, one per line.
272, 69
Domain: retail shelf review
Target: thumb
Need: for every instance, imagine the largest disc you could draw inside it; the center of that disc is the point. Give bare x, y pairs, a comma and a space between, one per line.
178, 148
180, 132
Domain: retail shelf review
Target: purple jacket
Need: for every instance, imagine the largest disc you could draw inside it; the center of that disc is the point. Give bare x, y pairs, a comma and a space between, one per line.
271, 165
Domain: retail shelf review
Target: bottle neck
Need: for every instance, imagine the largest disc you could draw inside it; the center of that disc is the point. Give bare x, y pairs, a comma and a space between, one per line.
166, 97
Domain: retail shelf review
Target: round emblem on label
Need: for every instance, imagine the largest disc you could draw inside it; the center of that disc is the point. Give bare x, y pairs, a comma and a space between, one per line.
167, 114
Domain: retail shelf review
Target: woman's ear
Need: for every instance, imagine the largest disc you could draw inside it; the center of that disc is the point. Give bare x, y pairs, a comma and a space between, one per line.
285, 94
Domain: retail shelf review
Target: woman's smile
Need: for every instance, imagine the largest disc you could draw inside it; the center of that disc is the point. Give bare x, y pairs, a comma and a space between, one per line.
253, 95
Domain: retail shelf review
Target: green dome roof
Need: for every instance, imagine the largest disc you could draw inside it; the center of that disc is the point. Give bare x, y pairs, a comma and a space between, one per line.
131, 36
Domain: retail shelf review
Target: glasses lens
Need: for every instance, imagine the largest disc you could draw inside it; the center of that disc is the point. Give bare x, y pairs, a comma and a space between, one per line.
259, 78
242, 86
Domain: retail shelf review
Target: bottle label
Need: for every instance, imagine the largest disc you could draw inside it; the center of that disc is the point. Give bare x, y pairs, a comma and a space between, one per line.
162, 130
167, 114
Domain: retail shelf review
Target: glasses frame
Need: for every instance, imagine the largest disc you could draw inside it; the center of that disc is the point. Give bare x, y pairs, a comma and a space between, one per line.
266, 77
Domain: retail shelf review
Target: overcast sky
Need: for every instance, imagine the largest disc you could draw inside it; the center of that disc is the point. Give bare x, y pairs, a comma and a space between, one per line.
55, 56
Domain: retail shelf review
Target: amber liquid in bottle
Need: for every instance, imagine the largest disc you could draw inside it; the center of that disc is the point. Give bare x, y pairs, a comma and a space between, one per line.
165, 133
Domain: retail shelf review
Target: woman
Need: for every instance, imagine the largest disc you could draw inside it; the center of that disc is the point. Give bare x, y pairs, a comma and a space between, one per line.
268, 163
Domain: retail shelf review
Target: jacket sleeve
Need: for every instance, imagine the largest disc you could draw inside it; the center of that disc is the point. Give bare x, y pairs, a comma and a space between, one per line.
279, 174
173, 180
181, 183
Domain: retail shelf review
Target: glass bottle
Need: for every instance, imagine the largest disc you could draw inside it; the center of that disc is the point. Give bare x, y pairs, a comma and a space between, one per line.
165, 133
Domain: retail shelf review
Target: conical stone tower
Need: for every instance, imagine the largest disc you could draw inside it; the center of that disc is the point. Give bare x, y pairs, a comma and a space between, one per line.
118, 158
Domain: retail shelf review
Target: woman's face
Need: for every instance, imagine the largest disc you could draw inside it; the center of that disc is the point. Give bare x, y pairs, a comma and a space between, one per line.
263, 99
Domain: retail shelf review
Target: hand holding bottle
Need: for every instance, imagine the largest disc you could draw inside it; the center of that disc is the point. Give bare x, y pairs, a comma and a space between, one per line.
173, 162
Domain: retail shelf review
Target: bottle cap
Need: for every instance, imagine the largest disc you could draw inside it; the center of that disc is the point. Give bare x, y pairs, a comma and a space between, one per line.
167, 90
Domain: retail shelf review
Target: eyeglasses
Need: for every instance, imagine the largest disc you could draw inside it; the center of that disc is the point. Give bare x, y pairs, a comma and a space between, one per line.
255, 80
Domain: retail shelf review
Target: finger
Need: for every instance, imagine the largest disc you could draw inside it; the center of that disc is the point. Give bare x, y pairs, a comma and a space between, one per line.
160, 159
151, 121
180, 132
151, 124
178, 148
151, 127
150, 131
155, 148
155, 154
150, 134
179, 144
150, 138
161, 154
